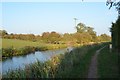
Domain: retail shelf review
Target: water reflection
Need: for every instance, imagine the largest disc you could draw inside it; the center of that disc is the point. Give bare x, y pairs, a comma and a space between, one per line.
20, 61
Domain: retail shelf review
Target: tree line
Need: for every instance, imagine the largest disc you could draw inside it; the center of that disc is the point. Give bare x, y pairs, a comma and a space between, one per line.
115, 28
115, 32
83, 35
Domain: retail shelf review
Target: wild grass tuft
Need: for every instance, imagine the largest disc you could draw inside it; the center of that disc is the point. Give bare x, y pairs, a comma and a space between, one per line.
108, 64
69, 65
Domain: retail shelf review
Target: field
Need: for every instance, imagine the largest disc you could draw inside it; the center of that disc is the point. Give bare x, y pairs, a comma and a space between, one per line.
13, 47
18, 43
6, 43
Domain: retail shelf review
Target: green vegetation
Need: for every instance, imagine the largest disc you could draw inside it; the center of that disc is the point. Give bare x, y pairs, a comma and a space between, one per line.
108, 64
6, 43
12, 47
69, 65
116, 34
79, 37
20, 44
76, 63
115, 28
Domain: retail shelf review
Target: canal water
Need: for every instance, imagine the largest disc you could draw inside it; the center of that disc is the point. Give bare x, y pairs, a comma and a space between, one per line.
17, 62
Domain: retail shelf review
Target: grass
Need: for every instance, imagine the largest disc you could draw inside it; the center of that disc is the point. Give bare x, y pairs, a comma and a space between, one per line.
108, 64
6, 43
76, 64
69, 65
18, 43
14, 47
36, 70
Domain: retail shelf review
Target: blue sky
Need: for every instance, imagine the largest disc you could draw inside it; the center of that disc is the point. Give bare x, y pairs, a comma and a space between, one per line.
39, 17
53, 0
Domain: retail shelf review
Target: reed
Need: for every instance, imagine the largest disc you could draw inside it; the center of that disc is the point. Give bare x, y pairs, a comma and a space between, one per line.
72, 64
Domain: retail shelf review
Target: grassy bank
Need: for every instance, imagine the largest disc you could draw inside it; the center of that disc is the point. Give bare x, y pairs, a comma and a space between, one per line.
108, 64
6, 43
69, 65
76, 64
13, 47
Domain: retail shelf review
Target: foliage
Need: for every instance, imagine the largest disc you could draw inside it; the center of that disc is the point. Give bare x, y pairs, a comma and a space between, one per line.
3, 33
104, 38
114, 3
76, 63
18, 44
82, 39
56, 38
115, 29
82, 28
12, 51
108, 65
36, 70
9, 52
13, 47
69, 65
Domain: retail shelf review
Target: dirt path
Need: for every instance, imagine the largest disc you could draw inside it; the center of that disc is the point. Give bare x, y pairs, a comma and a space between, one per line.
92, 72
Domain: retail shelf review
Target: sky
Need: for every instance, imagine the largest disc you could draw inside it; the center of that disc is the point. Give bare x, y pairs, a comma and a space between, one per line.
39, 17
53, 0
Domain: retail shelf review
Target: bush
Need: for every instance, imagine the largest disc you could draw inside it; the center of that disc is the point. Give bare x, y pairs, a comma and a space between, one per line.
68, 65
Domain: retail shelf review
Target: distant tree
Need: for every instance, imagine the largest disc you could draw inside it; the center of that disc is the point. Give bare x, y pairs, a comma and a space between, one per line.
45, 36
83, 38
3, 33
81, 28
104, 38
67, 37
91, 31
31, 37
0, 33
38, 38
54, 37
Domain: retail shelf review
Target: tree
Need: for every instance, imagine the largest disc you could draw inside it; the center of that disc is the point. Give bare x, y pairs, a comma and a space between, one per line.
91, 31
54, 37
112, 3
104, 38
83, 38
115, 29
3, 33
45, 36
81, 28
115, 33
